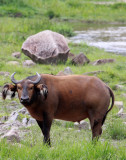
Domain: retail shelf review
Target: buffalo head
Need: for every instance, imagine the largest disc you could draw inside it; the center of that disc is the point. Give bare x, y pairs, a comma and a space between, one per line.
28, 89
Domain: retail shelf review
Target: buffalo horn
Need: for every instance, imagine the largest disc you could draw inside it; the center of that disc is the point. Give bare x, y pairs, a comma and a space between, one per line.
13, 79
37, 80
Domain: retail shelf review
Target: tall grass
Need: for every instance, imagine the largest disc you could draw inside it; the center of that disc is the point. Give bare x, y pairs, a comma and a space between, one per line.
116, 129
84, 10
66, 145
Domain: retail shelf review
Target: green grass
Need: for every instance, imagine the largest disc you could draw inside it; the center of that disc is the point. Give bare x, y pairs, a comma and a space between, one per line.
84, 10
67, 144
116, 129
22, 18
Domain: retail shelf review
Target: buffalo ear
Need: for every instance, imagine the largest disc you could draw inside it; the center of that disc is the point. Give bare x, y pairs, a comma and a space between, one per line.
10, 87
43, 90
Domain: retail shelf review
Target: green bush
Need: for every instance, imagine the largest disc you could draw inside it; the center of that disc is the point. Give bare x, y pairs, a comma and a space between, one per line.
51, 14
119, 6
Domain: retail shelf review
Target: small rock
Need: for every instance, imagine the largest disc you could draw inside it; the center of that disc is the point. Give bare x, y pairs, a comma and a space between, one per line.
120, 111
16, 54
25, 121
118, 104
28, 63
12, 136
76, 125
67, 71
22, 110
4, 73
61, 73
14, 116
119, 87
102, 61
9, 124
4, 118
1, 123
31, 121
82, 125
122, 115
124, 95
93, 73
13, 103
80, 59
13, 63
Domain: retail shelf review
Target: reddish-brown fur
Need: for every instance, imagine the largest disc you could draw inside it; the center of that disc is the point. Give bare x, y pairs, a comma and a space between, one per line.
70, 98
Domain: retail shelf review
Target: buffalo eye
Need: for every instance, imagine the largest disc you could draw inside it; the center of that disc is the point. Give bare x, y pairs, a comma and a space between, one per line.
19, 88
31, 88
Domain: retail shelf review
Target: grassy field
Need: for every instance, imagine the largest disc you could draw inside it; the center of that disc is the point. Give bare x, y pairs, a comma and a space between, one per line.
82, 10
22, 18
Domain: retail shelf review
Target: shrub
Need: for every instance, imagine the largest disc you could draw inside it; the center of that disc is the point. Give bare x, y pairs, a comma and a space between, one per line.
51, 14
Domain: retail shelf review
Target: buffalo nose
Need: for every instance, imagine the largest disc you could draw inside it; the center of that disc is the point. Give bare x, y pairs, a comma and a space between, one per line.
26, 99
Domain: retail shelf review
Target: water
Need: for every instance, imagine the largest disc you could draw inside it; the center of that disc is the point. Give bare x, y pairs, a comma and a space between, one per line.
111, 38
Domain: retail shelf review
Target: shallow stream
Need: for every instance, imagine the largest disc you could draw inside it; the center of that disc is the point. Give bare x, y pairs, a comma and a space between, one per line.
111, 38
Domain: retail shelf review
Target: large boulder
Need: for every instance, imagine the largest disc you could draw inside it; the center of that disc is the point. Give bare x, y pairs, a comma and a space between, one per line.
46, 47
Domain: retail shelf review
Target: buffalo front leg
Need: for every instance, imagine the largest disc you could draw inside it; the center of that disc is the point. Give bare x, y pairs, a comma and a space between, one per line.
45, 126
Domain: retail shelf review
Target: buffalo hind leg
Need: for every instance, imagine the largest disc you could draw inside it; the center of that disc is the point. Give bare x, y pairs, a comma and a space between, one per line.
45, 126
96, 127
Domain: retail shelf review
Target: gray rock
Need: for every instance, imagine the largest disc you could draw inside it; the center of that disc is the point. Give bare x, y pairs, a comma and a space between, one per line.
102, 61
4, 118
28, 63
46, 47
120, 111
25, 121
4, 73
80, 59
1, 123
76, 125
118, 104
119, 87
16, 54
67, 71
16, 124
93, 73
31, 121
14, 116
12, 136
124, 95
13, 103
82, 125
22, 110
122, 115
